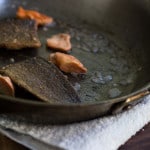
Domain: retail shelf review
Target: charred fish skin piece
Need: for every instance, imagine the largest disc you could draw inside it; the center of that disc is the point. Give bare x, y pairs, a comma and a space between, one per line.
43, 79
18, 34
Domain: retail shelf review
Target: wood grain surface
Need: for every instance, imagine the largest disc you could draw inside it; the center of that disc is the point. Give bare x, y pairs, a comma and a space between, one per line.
141, 141
8, 144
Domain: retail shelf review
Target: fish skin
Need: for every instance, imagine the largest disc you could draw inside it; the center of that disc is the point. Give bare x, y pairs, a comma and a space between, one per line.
17, 34
43, 79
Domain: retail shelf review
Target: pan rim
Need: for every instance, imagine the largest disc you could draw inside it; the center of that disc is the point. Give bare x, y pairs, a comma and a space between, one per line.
43, 104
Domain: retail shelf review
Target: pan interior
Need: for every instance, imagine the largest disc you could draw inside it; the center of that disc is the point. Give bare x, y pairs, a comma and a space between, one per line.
113, 70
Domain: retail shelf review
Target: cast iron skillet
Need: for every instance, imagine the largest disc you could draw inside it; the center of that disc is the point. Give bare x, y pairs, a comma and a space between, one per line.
111, 38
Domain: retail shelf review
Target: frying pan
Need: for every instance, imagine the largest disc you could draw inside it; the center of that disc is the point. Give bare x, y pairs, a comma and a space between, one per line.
110, 37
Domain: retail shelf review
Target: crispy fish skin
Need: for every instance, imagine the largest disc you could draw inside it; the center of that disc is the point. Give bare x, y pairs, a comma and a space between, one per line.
43, 79
17, 34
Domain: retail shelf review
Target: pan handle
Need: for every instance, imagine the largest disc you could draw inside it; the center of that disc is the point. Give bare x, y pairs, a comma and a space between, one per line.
129, 102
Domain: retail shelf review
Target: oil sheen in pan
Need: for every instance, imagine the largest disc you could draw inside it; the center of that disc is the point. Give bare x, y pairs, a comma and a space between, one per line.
112, 71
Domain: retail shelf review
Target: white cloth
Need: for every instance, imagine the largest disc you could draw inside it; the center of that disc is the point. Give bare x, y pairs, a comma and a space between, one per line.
107, 133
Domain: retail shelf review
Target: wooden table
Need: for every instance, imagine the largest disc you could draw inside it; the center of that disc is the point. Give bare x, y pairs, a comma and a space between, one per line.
7, 144
141, 141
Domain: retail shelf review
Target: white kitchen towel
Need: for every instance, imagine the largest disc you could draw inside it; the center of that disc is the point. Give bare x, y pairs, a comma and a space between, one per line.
106, 133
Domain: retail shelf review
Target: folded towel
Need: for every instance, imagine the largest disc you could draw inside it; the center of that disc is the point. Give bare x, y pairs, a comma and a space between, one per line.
106, 133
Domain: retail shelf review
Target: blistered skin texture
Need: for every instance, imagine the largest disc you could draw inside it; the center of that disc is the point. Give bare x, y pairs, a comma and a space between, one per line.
18, 34
67, 63
42, 79
39, 18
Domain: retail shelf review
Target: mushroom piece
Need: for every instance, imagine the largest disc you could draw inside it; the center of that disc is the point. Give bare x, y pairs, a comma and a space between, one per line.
6, 86
39, 18
60, 42
67, 63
